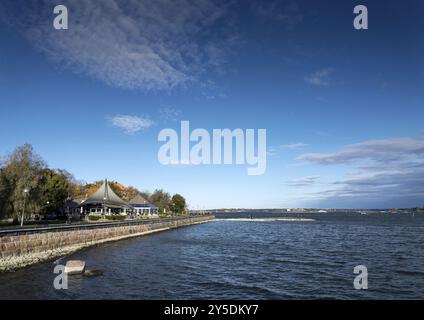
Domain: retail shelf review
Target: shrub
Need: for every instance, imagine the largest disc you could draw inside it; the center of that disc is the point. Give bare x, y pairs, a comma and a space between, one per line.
94, 218
116, 218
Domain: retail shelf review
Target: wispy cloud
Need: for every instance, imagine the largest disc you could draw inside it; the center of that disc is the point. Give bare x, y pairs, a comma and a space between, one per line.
294, 146
272, 151
168, 114
131, 124
275, 150
144, 44
289, 14
383, 173
320, 78
399, 188
301, 182
213, 96
378, 150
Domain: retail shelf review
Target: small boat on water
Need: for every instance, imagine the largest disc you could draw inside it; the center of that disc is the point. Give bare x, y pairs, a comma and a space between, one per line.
363, 213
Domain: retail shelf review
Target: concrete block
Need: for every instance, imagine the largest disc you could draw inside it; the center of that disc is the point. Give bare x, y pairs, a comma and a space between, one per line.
75, 267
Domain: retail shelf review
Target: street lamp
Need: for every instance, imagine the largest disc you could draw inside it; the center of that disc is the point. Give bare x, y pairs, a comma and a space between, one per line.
104, 207
23, 211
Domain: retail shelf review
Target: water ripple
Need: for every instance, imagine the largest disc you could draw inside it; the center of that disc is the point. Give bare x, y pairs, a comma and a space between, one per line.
234, 260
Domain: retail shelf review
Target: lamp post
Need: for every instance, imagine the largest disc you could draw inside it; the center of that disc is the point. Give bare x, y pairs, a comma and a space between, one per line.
23, 210
48, 206
104, 207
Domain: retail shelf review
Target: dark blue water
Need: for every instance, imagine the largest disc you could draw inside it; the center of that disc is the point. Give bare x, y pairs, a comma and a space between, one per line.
248, 260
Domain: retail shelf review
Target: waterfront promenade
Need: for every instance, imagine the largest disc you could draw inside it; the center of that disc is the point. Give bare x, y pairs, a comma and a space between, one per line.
23, 247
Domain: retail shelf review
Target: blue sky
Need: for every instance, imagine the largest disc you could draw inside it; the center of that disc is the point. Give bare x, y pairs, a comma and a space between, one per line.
343, 108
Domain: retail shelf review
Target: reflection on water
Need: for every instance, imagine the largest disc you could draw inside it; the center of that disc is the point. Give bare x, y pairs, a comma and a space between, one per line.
247, 260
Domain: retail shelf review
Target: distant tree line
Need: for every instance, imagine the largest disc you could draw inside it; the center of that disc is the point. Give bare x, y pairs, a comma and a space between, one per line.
28, 186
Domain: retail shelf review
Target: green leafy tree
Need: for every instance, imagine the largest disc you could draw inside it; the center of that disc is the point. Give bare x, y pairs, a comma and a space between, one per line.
21, 175
5, 194
178, 204
54, 189
27, 183
162, 200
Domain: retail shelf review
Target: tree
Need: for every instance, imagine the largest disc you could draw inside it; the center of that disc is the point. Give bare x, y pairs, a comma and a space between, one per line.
54, 189
5, 193
161, 199
146, 195
178, 204
21, 174
26, 184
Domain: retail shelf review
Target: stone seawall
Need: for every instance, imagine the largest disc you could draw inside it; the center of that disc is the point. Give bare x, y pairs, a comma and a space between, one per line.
26, 248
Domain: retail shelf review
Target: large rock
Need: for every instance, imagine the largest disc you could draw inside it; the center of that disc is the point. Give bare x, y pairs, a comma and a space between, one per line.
93, 273
75, 267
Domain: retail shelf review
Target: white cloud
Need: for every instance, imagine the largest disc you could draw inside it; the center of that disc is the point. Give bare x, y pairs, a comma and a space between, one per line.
131, 124
134, 44
320, 78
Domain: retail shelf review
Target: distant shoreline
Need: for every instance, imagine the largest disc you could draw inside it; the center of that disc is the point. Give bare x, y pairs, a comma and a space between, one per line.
306, 211
267, 220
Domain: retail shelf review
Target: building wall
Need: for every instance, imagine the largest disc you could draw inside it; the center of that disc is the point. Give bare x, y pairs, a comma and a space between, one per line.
24, 249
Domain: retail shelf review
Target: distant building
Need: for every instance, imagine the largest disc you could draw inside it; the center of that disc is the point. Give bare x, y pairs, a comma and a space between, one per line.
72, 207
105, 202
142, 207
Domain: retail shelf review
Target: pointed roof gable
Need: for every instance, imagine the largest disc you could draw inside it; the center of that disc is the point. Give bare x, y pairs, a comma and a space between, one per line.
106, 196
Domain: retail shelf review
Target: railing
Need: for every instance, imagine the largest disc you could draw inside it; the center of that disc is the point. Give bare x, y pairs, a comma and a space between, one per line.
88, 226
